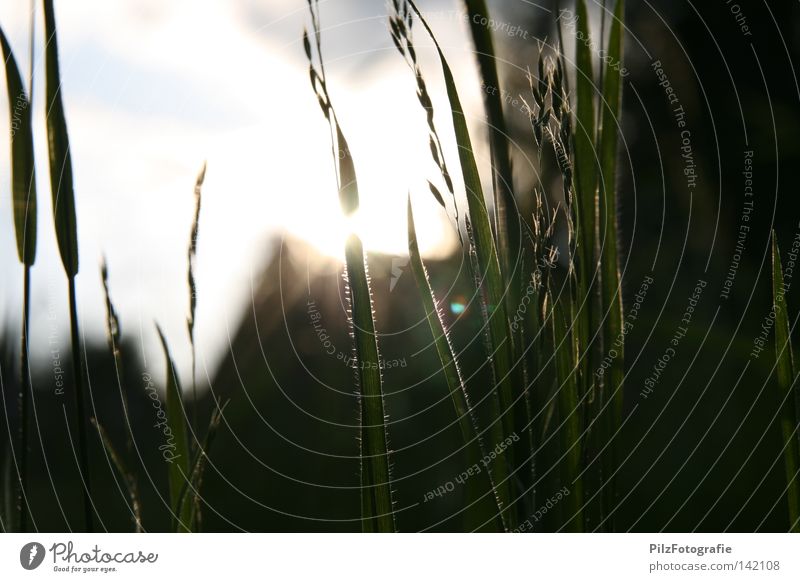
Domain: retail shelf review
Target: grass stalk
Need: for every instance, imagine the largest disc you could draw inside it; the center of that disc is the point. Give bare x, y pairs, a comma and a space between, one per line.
610, 290
788, 391
508, 223
24, 505
377, 505
191, 260
586, 208
80, 408
585, 155
114, 335
125, 473
488, 276
179, 471
569, 410
179, 464
467, 420
507, 220
61, 185
23, 192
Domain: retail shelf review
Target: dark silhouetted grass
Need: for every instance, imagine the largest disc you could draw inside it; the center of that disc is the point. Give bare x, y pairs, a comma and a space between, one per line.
789, 393
377, 506
23, 197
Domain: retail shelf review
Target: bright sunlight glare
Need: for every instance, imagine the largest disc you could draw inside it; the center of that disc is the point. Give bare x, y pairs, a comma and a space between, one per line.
149, 99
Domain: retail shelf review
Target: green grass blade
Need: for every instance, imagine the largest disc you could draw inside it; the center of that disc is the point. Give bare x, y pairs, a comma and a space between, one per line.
61, 186
610, 291
80, 404
476, 201
444, 349
585, 164
26, 389
61, 180
508, 223
23, 197
507, 220
179, 463
788, 391
8, 490
200, 465
377, 504
114, 337
586, 183
569, 412
488, 262
455, 383
23, 171
127, 476
609, 139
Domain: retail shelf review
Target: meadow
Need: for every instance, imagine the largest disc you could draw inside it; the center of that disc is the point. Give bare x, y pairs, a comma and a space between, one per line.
509, 402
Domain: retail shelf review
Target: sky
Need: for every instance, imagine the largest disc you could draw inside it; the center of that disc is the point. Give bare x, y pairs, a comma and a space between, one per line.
154, 89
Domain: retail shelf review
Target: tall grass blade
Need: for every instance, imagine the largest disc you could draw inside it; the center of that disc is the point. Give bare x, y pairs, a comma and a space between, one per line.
127, 476
191, 260
610, 291
586, 182
26, 395
508, 223
585, 284
179, 471
569, 412
789, 392
80, 406
114, 335
507, 220
23, 197
60, 158
8, 490
23, 171
487, 260
61, 185
609, 139
584, 136
377, 506
193, 487
467, 421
